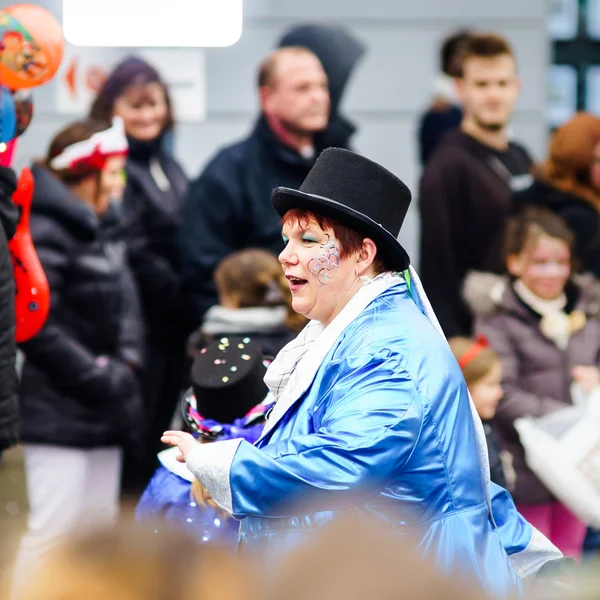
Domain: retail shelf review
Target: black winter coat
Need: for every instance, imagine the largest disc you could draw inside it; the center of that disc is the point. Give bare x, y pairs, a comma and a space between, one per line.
152, 221
229, 208
9, 405
79, 386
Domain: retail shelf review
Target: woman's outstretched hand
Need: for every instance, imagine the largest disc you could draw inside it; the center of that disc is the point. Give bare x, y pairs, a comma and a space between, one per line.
184, 441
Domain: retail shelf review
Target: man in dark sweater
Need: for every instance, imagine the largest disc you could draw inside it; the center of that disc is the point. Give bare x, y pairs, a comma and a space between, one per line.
466, 187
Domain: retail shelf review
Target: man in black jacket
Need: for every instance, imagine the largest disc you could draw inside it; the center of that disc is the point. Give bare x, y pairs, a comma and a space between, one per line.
9, 407
229, 207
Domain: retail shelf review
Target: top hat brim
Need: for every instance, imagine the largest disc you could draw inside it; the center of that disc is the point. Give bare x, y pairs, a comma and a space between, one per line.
388, 247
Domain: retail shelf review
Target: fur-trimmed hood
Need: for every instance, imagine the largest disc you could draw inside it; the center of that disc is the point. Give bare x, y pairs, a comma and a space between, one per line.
484, 292
488, 293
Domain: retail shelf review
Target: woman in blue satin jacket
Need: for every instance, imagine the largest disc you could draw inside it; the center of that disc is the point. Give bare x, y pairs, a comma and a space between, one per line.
372, 413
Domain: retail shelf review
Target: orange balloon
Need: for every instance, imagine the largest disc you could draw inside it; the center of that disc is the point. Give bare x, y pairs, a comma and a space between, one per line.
31, 46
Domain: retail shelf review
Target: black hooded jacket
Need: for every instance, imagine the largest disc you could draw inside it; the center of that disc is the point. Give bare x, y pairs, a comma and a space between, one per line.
9, 405
228, 207
79, 387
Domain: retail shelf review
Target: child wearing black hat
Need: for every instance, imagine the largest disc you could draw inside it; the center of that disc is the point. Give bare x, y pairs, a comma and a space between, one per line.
228, 399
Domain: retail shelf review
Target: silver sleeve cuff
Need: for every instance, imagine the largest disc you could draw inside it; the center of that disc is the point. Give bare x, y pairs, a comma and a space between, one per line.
539, 551
211, 464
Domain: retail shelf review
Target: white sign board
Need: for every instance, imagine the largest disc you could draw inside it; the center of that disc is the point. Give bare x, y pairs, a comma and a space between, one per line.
84, 69
153, 23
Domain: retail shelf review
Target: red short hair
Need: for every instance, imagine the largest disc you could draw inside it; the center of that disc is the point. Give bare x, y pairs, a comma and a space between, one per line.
350, 240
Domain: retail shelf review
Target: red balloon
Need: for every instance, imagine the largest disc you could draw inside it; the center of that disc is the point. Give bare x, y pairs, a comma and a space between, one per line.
31, 46
32, 292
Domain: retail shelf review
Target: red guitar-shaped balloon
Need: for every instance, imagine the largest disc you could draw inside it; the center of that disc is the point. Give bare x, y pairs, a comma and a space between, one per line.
32, 293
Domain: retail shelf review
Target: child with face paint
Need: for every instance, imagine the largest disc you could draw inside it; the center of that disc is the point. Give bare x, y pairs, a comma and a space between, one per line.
544, 324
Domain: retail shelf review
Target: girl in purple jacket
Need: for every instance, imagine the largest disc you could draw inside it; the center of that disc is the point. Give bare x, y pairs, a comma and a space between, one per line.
544, 323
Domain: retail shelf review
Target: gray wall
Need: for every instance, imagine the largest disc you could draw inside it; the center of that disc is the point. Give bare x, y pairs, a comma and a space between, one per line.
390, 86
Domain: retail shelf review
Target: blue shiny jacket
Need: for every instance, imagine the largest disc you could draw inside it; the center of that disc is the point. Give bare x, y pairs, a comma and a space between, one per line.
384, 430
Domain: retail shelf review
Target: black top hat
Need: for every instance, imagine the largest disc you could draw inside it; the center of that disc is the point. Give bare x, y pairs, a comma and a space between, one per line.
227, 379
357, 192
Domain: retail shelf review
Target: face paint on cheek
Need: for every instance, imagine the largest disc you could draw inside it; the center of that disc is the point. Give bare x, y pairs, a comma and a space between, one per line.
551, 269
324, 266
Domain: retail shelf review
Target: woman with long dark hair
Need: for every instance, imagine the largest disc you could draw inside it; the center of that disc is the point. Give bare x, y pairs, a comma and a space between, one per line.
156, 185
